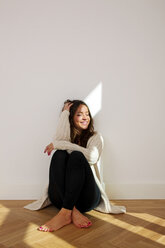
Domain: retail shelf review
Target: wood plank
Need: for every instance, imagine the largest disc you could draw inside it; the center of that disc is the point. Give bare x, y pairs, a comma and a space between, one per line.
143, 226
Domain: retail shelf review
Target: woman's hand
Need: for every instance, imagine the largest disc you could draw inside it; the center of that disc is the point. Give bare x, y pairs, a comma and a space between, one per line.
67, 106
49, 148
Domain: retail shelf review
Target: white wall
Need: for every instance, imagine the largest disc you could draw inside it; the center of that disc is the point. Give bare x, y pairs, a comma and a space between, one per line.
54, 50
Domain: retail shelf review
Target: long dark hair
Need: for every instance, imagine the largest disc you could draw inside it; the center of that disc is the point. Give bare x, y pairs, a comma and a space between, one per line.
77, 137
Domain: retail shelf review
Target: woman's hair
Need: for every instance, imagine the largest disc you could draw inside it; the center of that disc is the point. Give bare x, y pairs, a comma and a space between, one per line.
75, 135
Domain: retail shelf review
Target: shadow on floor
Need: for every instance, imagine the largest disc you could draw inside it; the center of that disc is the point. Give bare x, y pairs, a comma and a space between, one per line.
18, 229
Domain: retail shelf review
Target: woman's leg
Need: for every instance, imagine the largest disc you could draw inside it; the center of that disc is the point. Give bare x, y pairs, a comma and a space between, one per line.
80, 186
56, 191
81, 189
57, 172
71, 183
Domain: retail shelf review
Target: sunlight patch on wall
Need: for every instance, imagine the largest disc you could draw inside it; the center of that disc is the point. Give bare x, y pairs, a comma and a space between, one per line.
94, 100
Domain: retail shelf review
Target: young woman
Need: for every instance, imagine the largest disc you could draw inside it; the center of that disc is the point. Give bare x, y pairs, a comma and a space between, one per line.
74, 186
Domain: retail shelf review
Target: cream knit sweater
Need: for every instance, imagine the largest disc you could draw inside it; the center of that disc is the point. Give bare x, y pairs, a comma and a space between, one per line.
92, 153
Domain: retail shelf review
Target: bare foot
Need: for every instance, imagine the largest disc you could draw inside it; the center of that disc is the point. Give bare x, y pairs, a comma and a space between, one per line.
61, 219
79, 219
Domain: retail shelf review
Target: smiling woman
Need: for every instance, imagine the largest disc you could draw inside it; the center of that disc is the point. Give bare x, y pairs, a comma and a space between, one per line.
81, 123
81, 118
74, 181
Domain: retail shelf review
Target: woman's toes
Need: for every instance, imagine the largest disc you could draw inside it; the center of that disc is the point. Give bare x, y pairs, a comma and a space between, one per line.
44, 229
40, 228
86, 224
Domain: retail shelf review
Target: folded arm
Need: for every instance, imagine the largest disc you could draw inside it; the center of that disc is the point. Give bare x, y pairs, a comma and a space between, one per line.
92, 152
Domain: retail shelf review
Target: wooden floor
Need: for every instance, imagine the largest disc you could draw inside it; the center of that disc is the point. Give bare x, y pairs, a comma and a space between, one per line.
143, 226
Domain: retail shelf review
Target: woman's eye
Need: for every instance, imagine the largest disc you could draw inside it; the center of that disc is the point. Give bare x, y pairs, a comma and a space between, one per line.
80, 114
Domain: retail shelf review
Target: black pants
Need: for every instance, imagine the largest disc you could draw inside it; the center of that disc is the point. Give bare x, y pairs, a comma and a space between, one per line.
71, 182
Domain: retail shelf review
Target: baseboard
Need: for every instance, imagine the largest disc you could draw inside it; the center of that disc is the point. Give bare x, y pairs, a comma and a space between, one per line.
114, 191
135, 191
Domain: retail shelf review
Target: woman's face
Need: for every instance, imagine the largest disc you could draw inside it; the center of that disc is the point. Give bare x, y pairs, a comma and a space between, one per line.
81, 118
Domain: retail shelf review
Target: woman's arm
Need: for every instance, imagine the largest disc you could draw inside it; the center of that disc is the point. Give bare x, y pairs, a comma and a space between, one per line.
92, 152
63, 127
62, 131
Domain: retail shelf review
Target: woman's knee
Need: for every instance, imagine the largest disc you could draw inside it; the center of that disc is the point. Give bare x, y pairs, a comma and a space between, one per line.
78, 158
77, 155
59, 154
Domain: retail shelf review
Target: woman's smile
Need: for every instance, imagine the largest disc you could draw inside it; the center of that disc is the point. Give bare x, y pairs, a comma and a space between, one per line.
82, 118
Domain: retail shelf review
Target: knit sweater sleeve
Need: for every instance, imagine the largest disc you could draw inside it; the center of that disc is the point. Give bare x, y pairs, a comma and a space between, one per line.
92, 152
63, 127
